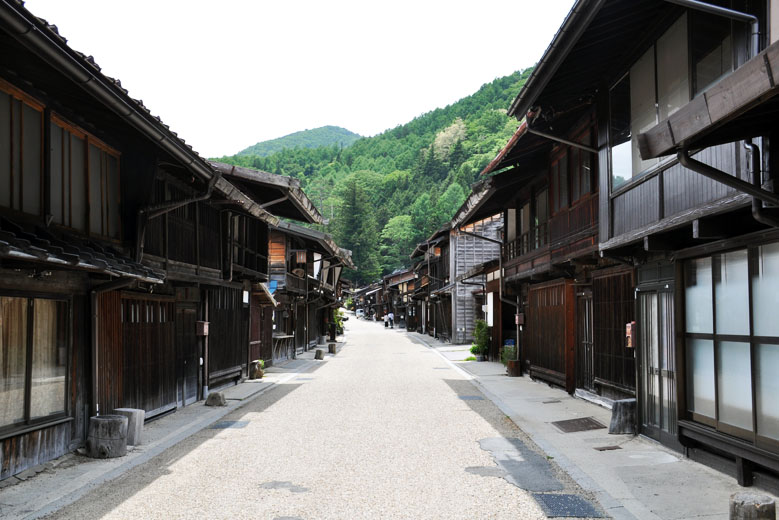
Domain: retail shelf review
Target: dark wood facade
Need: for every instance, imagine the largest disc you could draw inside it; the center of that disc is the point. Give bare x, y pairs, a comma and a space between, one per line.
432, 291
683, 209
305, 271
125, 238
548, 347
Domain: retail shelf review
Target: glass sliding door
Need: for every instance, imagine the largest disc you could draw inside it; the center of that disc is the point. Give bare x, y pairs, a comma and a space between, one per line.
732, 343
657, 374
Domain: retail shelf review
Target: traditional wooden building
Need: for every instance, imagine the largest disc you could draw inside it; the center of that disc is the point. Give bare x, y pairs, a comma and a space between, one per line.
432, 288
398, 286
680, 95
447, 301
215, 255
305, 273
126, 260
471, 246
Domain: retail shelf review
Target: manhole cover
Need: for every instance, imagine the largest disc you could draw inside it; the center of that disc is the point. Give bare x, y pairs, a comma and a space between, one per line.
608, 448
578, 425
223, 425
470, 397
555, 506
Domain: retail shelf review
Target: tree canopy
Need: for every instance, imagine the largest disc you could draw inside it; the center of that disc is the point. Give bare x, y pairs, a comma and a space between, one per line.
415, 175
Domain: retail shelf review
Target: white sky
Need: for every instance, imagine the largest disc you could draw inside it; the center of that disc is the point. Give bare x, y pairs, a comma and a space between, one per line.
227, 74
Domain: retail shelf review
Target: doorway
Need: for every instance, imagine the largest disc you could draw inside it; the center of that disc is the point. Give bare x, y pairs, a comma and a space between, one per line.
187, 353
585, 355
656, 363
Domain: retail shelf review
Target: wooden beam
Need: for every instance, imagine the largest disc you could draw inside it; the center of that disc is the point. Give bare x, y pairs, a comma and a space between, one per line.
748, 86
708, 229
655, 243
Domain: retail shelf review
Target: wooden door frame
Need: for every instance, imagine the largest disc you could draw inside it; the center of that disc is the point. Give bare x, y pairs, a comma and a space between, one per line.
657, 432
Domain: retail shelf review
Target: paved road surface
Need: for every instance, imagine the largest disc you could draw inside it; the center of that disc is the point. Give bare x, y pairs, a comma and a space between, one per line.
379, 431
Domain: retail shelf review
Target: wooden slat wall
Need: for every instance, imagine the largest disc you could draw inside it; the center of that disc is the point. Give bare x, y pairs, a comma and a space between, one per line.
154, 238
549, 337
637, 207
613, 307
685, 189
109, 356
467, 252
228, 335
266, 334
209, 236
187, 352
300, 326
182, 230
315, 327
277, 250
257, 325
148, 340
569, 221
676, 190
28, 450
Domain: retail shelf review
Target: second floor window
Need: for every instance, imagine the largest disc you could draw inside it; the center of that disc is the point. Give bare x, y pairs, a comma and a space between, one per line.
571, 174
656, 86
21, 151
84, 181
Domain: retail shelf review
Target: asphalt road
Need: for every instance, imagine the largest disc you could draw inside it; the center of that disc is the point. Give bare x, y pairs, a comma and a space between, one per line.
385, 429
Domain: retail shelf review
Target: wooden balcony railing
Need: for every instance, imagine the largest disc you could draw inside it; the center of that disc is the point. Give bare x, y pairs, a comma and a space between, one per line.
536, 238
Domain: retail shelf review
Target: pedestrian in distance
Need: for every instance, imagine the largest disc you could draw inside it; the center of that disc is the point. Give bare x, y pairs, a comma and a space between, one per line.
386, 321
391, 316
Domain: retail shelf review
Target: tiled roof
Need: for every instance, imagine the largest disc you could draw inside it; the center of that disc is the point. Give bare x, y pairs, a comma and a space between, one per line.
69, 252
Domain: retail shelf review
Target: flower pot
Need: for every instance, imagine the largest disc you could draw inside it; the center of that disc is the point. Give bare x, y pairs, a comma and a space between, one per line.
479, 357
512, 368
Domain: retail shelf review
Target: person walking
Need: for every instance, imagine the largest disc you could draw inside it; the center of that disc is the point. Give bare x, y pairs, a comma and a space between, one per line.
386, 320
391, 316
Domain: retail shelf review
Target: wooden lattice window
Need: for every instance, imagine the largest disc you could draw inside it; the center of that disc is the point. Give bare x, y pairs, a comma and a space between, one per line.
21, 151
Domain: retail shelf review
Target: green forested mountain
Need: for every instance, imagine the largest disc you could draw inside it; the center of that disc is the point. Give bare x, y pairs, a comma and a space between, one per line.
384, 194
322, 136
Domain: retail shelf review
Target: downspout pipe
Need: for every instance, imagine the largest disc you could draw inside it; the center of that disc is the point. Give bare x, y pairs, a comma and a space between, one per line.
729, 180
156, 210
758, 212
113, 285
227, 274
754, 23
561, 140
500, 264
514, 304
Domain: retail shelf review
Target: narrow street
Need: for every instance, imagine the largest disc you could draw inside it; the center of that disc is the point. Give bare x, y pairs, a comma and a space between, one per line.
385, 429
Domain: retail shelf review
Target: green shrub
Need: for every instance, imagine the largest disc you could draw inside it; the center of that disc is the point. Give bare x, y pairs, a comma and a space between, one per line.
481, 339
339, 321
509, 353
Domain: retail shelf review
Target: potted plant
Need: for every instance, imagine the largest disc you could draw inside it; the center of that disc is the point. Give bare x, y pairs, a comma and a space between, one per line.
508, 356
481, 340
257, 369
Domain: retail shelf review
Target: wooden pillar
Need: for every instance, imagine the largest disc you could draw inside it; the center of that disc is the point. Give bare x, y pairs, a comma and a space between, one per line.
570, 337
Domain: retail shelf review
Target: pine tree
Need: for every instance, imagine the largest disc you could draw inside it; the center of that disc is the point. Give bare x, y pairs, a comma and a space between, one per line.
356, 230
